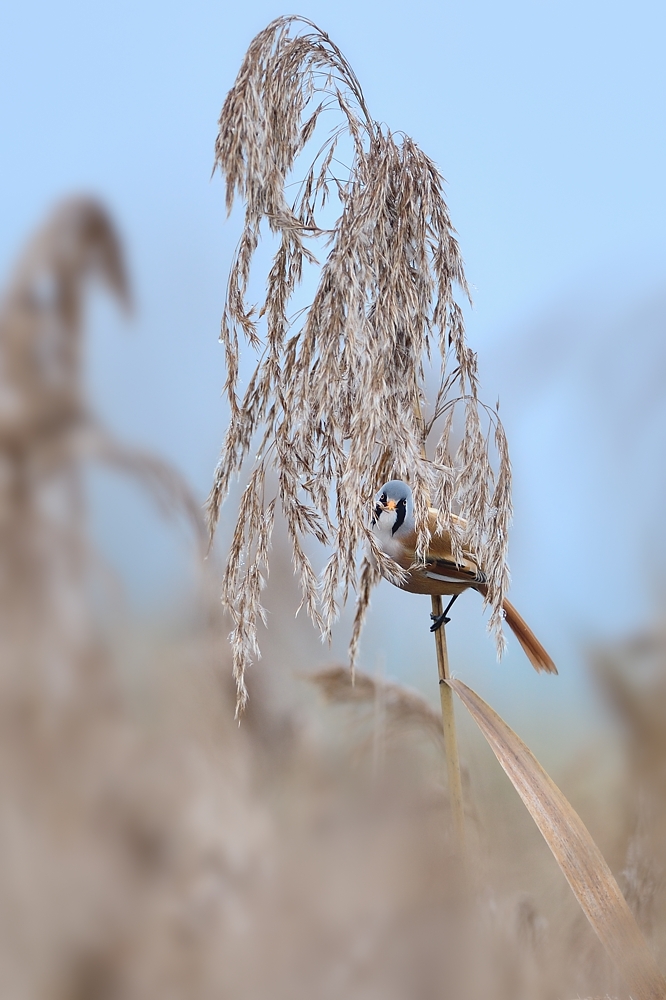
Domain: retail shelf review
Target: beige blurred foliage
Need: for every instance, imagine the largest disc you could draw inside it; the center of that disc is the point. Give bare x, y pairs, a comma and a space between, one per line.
150, 847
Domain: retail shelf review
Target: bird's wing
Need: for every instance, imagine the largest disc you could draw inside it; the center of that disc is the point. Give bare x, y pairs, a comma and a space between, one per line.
440, 552
442, 565
450, 572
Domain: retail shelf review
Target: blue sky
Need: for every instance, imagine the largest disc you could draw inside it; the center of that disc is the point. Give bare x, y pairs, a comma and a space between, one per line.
546, 119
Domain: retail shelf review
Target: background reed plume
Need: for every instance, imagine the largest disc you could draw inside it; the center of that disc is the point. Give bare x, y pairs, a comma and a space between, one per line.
47, 436
337, 402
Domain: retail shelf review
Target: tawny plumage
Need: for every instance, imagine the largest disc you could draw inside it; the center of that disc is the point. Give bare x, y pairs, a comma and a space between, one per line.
440, 574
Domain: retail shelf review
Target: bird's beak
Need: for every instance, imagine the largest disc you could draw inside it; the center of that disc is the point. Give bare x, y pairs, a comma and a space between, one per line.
390, 505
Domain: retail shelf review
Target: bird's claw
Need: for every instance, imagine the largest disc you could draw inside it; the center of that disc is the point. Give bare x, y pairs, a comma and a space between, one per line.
438, 621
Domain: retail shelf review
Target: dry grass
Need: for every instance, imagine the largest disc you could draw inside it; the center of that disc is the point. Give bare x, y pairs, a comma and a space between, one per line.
334, 405
632, 677
47, 434
151, 848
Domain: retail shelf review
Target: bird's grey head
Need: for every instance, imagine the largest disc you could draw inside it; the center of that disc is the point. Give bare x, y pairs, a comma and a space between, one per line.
394, 508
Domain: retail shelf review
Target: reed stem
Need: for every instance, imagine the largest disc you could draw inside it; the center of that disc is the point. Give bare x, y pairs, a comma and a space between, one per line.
449, 726
446, 697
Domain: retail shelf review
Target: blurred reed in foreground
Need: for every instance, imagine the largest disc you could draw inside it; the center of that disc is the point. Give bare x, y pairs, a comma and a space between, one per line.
150, 848
632, 678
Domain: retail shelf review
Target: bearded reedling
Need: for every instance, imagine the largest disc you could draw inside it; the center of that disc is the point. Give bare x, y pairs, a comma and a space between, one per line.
440, 574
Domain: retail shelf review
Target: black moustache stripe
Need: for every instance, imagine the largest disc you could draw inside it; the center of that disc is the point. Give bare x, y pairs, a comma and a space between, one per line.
378, 514
400, 514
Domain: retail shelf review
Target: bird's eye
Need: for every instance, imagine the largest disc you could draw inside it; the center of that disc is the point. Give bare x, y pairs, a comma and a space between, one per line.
401, 503
382, 498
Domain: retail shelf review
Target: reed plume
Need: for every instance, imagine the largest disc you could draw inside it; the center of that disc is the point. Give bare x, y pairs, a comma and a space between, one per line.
337, 402
47, 435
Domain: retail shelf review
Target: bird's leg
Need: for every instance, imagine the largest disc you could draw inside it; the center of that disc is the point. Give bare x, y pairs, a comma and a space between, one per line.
439, 620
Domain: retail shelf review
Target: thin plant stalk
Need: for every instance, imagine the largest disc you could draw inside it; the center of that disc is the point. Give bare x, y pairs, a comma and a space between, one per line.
446, 696
449, 727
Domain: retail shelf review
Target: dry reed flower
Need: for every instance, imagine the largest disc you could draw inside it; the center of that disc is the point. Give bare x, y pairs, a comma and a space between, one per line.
335, 402
48, 432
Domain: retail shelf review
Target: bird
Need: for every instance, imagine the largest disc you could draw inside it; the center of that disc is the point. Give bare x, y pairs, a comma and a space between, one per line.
441, 573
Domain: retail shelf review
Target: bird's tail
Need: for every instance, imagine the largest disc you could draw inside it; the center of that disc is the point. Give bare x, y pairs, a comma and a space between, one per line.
534, 651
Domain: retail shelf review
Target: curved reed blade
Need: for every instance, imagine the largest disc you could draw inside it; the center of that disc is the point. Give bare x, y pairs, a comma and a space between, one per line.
575, 852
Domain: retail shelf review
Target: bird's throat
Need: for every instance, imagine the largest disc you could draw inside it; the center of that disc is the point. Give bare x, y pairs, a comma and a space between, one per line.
400, 512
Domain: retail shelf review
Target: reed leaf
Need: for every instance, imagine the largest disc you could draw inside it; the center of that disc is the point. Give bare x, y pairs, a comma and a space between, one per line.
575, 852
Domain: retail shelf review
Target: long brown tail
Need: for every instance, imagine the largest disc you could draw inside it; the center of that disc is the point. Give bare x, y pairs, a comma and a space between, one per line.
534, 651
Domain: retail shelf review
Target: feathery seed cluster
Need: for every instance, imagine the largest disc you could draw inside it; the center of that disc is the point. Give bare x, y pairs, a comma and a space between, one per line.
336, 403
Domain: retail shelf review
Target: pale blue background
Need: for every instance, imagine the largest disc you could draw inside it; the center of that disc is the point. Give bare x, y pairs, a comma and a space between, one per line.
546, 119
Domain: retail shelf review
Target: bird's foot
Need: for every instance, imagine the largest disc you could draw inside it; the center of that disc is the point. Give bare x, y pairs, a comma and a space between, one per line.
439, 620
